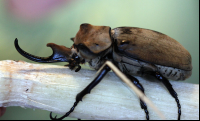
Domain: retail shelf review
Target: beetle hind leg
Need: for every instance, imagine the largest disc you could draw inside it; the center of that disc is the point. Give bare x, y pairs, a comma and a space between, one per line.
167, 84
139, 86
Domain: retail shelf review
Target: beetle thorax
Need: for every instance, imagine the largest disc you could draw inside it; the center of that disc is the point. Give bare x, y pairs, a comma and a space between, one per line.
96, 63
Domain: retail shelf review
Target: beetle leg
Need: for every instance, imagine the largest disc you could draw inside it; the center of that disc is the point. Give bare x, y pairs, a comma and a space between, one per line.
167, 84
79, 67
67, 65
87, 90
140, 87
72, 64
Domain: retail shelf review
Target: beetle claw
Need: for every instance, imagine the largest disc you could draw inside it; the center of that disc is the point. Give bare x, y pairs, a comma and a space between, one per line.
52, 117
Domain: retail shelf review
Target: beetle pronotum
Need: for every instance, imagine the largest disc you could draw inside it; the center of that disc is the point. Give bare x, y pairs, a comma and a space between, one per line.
134, 51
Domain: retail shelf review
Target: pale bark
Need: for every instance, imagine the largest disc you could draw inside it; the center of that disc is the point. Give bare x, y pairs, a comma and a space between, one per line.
54, 88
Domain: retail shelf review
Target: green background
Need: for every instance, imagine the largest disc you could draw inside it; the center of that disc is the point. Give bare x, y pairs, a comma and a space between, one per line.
177, 18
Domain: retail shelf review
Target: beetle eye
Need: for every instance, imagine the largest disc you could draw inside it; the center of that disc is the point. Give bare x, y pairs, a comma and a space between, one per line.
124, 42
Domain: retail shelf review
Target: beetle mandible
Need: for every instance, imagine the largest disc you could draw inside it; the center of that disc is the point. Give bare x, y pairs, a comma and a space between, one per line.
135, 51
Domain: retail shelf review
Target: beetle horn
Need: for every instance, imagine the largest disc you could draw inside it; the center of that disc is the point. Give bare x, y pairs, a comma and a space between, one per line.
60, 54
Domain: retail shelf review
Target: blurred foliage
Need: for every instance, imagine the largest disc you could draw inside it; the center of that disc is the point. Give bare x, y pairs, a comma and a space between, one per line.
179, 19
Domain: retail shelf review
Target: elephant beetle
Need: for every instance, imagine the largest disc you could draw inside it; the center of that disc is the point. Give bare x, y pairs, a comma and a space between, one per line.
134, 51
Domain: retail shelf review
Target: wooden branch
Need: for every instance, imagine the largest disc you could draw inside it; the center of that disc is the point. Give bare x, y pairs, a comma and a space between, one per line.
54, 88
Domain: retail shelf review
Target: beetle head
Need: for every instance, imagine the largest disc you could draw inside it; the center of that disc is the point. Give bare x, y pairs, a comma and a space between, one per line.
60, 54
91, 40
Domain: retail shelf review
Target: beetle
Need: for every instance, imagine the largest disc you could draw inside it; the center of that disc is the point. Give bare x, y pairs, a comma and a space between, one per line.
135, 51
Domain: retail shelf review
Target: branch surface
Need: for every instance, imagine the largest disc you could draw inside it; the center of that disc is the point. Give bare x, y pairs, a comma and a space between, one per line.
54, 88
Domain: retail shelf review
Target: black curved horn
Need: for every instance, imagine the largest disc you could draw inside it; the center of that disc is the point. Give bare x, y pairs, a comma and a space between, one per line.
60, 54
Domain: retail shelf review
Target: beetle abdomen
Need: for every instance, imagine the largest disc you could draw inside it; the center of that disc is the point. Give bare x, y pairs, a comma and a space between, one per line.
152, 47
139, 68
173, 73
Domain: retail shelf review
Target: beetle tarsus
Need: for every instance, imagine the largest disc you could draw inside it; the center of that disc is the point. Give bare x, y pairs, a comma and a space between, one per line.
167, 84
144, 106
140, 87
67, 114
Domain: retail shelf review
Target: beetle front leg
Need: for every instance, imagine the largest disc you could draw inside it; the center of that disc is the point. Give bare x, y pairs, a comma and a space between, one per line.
87, 90
167, 84
139, 86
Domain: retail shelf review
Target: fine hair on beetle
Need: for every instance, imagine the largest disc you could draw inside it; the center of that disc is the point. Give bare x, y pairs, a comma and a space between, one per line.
133, 51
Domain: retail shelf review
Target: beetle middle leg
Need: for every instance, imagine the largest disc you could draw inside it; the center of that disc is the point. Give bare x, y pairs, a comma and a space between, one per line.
87, 90
139, 86
167, 84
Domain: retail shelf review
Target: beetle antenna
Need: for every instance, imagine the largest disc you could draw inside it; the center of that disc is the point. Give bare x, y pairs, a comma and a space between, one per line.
72, 39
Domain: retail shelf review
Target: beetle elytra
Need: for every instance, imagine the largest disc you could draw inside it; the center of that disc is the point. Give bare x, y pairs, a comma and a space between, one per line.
135, 51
